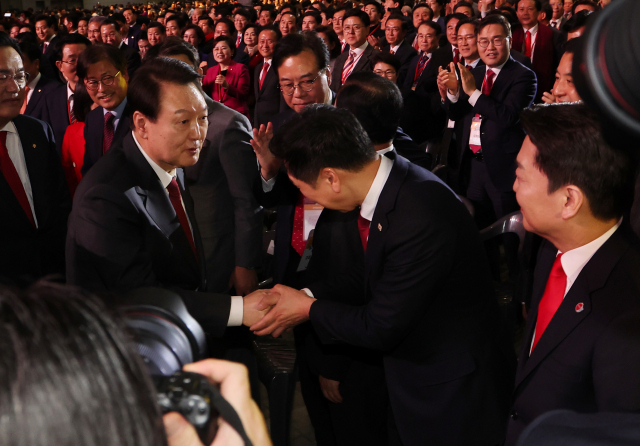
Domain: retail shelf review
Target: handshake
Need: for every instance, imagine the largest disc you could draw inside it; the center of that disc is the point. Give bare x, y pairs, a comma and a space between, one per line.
276, 310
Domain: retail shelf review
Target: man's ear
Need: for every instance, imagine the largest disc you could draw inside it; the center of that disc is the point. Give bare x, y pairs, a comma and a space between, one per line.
140, 122
574, 201
59, 65
329, 176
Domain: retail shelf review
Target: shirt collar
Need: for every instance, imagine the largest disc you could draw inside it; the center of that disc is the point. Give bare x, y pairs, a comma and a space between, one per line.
69, 91
10, 128
498, 68
371, 200
387, 150
533, 30
474, 63
395, 47
117, 113
164, 176
360, 49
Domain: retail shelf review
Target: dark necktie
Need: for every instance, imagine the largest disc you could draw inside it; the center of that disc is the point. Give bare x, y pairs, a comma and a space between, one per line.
11, 176
107, 137
176, 202
456, 56
551, 299
72, 115
363, 227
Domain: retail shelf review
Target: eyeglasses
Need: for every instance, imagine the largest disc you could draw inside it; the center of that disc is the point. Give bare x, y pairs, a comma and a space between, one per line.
106, 81
289, 88
70, 61
466, 39
349, 28
497, 42
20, 78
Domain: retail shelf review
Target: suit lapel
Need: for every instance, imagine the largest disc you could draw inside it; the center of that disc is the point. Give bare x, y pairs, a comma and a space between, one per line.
503, 79
364, 60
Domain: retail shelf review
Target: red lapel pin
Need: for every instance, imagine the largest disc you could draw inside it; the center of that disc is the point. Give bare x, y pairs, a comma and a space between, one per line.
579, 307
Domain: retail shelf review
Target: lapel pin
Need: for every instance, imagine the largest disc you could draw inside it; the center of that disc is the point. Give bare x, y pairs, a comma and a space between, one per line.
39, 90
379, 227
34, 146
579, 307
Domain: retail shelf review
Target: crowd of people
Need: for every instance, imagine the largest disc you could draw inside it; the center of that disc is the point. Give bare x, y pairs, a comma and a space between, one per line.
140, 144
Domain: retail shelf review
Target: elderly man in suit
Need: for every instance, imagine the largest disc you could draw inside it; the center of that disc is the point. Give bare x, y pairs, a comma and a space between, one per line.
34, 196
447, 361
103, 70
581, 349
395, 32
133, 221
111, 31
355, 27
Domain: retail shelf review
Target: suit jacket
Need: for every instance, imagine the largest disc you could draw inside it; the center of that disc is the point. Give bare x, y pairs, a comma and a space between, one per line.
132, 38
29, 253
48, 60
588, 358
133, 58
447, 359
37, 104
441, 57
221, 184
94, 134
364, 64
56, 113
405, 53
268, 97
124, 234
236, 95
546, 55
501, 131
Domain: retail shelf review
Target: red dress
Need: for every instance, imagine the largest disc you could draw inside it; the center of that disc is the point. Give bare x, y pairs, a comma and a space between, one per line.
236, 95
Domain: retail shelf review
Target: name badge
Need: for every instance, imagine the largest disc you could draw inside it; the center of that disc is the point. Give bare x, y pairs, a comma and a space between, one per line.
306, 255
474, 138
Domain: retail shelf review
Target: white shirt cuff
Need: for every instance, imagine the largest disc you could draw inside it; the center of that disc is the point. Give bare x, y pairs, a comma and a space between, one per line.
267, 185
474, 97
237, 312
308, 292
453, 98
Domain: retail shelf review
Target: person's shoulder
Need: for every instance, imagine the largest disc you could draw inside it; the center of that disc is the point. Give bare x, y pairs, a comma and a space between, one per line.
222, 116
27, 125
518, 68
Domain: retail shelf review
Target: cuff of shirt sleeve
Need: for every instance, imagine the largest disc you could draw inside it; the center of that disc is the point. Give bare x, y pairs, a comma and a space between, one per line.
267, 185
474, 97
237, 312
453, 98
308, 292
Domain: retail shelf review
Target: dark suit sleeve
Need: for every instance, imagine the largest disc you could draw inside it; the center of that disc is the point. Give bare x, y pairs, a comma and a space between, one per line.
239, 164
282, 190
459, 109
133, 61
416, 258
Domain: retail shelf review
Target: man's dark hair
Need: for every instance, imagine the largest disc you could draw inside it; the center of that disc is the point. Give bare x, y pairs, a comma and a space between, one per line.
74, 18
388, 58
495, 19
294, 44
51, 21
422, 5
229, 41
174, 46
463, 4
571, 150
315, 14
209, 20
30, 50
129, 8
118, 17
548, 11
5, 40
468, 21
144, 93
377, 5
333, 38
456, 15
272, 12
244, 13
572, 46
404, 22
259, 29
229, 23
158, 25
433, 25
577, 21
97, 53
82, 102
319, 137
538, 4
175, 18
584, 2
69, 39
142, 20
375, 101
363, 16
110, 21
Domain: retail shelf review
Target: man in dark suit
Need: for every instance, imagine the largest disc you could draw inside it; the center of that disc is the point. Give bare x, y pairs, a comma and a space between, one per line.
34, 197
358, 58
133, 222
111, 34
38, 85
265, 79
448, 364
130, 34
58, 110
488, 99
46, 31
538, 42
395, 32
103, 70
581, 349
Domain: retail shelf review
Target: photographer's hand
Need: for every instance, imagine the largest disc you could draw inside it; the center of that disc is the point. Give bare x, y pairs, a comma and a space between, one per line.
233, 380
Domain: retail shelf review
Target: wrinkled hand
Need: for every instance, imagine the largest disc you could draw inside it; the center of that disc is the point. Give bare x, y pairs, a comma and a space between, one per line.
244, 280
233, 381
467, 80
549, 98
448, 80
330, 389
269, 164
373, 41
254, 308
292, 308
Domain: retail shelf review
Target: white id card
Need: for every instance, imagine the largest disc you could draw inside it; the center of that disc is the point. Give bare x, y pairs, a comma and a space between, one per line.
312, 213
474, 137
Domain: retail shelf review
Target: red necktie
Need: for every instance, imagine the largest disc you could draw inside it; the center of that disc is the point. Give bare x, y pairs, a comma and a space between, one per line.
456, 56
551, 299
363, 227
176, 202
263, 73
415, 44
11, 176
297, 238
487, 85
26, 100
238, 40
348, 65
527, 45
107, 137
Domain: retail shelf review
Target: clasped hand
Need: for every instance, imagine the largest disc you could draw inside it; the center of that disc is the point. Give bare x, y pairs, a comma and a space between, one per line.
447, 80
285, 308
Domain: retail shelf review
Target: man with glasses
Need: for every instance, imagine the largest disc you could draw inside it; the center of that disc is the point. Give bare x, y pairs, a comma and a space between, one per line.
59, 101
396, 30
93, 29
103, 70
356, 30
488, 99
34, 197
111, 32
338, 18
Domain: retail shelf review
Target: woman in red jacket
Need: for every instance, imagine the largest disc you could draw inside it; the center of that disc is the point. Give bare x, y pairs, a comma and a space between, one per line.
228, 81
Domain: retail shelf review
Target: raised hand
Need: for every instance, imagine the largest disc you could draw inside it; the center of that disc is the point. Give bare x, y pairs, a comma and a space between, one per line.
269, 164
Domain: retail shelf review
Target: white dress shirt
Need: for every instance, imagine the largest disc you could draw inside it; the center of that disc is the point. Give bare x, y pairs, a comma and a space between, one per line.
534, 34
394, 48
14, 148
237, 309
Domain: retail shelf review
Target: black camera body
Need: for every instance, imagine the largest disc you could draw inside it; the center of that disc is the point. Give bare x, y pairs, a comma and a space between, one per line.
191, 395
